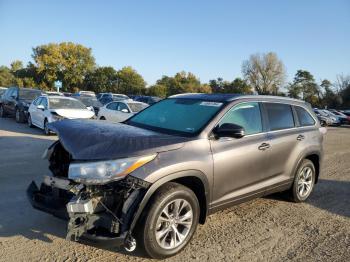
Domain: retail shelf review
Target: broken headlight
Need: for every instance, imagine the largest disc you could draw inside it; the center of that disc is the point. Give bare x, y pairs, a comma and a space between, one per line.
102, 172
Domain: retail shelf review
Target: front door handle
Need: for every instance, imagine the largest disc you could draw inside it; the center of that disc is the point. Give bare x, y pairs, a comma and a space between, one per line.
300, 137
264, 146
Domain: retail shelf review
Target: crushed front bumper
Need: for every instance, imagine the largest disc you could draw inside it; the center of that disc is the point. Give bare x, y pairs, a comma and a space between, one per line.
48, 199
90, 218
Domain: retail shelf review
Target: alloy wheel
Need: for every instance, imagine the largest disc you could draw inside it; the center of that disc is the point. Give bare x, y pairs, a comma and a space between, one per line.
174, 223
305, 182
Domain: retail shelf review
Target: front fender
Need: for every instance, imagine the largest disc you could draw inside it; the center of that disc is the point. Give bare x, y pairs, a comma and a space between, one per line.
162, 181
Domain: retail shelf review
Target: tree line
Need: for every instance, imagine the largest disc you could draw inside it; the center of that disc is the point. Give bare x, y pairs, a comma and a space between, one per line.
75, 66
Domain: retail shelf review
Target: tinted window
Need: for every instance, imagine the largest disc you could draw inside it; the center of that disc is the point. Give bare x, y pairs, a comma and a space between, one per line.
246, 115
112, 106
122, 106
44, 102
305, 119
37, 101
280, 116
29, 94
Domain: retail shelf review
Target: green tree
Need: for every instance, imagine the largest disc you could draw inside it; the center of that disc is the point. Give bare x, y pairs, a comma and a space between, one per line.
157, 90
67, 62
264, 72
102, 79
130, 82
205, 88
6, 77
330, 99
237, 86
16, 65
304, 87
182, 82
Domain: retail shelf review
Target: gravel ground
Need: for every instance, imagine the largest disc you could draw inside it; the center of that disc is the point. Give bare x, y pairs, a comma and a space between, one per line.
266, 229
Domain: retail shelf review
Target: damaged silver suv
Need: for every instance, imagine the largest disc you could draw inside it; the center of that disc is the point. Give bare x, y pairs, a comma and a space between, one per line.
149, 181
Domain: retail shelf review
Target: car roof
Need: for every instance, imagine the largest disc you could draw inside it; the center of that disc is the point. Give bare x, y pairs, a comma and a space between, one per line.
232, 97
59, 97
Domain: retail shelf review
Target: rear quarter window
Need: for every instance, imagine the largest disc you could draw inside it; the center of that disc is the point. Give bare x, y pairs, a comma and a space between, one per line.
304, 117
280, 116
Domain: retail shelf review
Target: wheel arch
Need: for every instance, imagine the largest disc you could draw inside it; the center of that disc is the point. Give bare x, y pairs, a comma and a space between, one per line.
193, 179
315, 158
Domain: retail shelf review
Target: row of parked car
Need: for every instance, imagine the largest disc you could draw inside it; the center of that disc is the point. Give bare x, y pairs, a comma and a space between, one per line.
332, 117
40, 108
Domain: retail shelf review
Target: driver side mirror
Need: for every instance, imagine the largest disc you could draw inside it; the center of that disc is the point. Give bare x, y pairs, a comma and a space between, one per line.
125, 110
41, 107
229, 130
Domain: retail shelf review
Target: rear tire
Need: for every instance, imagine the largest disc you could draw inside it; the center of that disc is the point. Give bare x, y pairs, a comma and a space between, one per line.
304, 182
102, 118
162, 231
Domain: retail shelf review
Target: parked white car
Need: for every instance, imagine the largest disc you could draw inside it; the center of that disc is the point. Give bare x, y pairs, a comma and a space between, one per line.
120, 111
48, 109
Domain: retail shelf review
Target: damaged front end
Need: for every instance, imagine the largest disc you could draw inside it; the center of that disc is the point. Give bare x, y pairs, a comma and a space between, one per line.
98, 212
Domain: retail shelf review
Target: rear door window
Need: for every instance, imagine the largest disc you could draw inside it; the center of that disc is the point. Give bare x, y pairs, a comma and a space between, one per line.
122, 106
112, 106
280, 116
305, 119
246, 115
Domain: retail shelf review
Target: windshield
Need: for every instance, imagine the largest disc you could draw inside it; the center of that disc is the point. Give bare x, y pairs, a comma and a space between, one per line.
64, 103
29, 94
136, 107
178, 115
88, 101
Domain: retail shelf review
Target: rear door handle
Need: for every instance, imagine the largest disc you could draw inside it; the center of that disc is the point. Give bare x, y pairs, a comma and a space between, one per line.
264, 146
300, 137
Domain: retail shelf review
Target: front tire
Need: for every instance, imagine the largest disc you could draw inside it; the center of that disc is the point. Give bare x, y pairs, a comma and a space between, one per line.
2, 112
19, 115
169, 221
46, 128
304, 182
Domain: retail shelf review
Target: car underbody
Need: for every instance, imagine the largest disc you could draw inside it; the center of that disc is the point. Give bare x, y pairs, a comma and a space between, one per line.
95, 212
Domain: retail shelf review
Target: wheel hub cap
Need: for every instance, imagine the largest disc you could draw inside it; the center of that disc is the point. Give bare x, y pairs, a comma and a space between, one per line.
305, 182
174, 224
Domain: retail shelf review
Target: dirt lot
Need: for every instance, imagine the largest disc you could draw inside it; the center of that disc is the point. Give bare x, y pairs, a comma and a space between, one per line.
267, 229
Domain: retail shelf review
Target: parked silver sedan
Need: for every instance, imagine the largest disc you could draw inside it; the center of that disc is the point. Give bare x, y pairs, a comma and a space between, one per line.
120, 111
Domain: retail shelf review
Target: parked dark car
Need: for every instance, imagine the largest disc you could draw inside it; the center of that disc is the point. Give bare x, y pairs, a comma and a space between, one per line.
16, 101
148, 99
150, 180
91, 102
109, 97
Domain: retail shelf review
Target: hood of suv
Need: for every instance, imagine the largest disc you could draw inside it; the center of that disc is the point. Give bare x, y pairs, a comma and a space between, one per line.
102, 140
